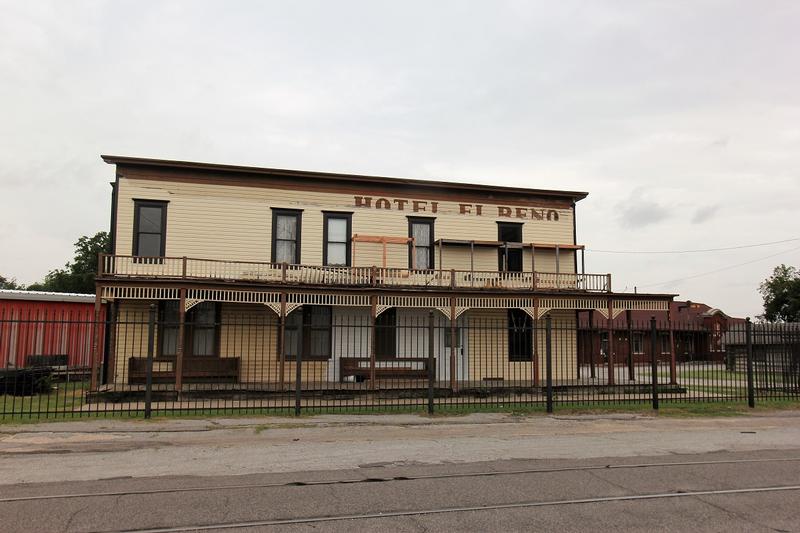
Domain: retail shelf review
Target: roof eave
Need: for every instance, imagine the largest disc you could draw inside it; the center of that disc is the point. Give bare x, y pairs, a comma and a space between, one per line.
575, 196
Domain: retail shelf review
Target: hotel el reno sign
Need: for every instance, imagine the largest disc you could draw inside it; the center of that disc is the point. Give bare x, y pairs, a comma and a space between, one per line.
425, 206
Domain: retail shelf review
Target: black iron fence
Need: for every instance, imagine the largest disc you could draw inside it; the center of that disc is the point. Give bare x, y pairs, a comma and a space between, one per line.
331, 360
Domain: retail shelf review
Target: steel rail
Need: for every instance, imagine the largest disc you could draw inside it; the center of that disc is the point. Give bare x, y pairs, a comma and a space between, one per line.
350, 481
477, 508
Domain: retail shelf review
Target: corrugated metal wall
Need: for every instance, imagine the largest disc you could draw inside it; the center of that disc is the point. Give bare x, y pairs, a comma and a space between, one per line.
47, 328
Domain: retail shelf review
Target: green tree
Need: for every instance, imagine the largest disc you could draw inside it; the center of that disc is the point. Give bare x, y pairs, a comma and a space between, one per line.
10, 283
77, 276
781, 293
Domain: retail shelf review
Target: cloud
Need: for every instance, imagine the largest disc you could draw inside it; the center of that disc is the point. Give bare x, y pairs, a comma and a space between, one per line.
638, 211
704, 214
572, 95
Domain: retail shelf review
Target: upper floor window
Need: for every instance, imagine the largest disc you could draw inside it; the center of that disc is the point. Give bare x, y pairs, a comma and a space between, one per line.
286, 236
421, 229
509, 259
336, 239
149, 228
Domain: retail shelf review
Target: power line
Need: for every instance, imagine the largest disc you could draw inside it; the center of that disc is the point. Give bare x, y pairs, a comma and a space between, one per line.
723, 268
691, 251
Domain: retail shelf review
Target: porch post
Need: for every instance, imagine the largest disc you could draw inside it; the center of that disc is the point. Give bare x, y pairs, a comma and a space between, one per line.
373, 339
610, 342
592, 372
96, 340
453, 343
631, 372
558, 268
533, 266
181, 337
282, 342
583, 261
673, 367
472, 262
112, 342
535, 341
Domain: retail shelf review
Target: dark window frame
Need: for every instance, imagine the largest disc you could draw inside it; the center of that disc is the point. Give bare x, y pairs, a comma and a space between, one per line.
161, 204
502, 264
298, 213
386, 335
430, 222
188, 331
640, 336
520, 338
348, 216
664, 344
305, 330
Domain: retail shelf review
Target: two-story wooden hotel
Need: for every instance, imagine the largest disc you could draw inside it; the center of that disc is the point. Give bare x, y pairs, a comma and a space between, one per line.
302, 252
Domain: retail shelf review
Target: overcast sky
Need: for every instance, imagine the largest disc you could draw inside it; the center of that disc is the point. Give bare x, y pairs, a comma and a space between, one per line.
682, 119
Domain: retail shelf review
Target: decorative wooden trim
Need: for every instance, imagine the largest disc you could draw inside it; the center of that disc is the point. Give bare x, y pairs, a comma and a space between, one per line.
191, 302
292, 307
335, 300
140, 293
233, 296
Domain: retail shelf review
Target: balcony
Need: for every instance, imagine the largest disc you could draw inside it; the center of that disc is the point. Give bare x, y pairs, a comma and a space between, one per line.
187, 268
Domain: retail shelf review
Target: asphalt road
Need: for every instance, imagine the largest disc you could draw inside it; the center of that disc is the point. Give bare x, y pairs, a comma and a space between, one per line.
401, 473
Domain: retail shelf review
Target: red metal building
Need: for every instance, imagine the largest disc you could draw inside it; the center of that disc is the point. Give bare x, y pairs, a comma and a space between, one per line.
47, 324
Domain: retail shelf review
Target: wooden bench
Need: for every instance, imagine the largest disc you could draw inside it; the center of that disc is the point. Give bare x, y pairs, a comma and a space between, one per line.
395, 368
195, 370
51, 361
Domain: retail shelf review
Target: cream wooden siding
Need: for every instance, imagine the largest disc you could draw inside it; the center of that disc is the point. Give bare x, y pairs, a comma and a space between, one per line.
131, 337
488, 348
234, 223
250, 332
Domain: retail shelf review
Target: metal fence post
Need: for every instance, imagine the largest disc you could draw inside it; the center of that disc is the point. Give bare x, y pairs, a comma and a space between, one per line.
151, 338
654, 361
298, 368
751, 393
549, 361
431, 362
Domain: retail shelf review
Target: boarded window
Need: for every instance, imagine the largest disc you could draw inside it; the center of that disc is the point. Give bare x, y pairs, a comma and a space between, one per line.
421, 230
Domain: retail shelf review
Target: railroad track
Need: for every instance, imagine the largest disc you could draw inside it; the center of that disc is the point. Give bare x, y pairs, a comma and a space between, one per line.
659, 494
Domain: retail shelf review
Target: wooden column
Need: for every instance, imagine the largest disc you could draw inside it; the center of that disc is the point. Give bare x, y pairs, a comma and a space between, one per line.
673, 366
453, 343
373, 339
112, 342
558, 268
179, 352
96, 341
535, 342
610, 342
282, 343
533, 266
472, 262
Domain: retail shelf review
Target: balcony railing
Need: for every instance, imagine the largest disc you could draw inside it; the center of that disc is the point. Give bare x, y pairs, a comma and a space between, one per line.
177, 268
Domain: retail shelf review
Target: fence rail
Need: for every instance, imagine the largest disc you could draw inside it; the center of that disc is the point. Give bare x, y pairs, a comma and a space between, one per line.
335, 362
121, 266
